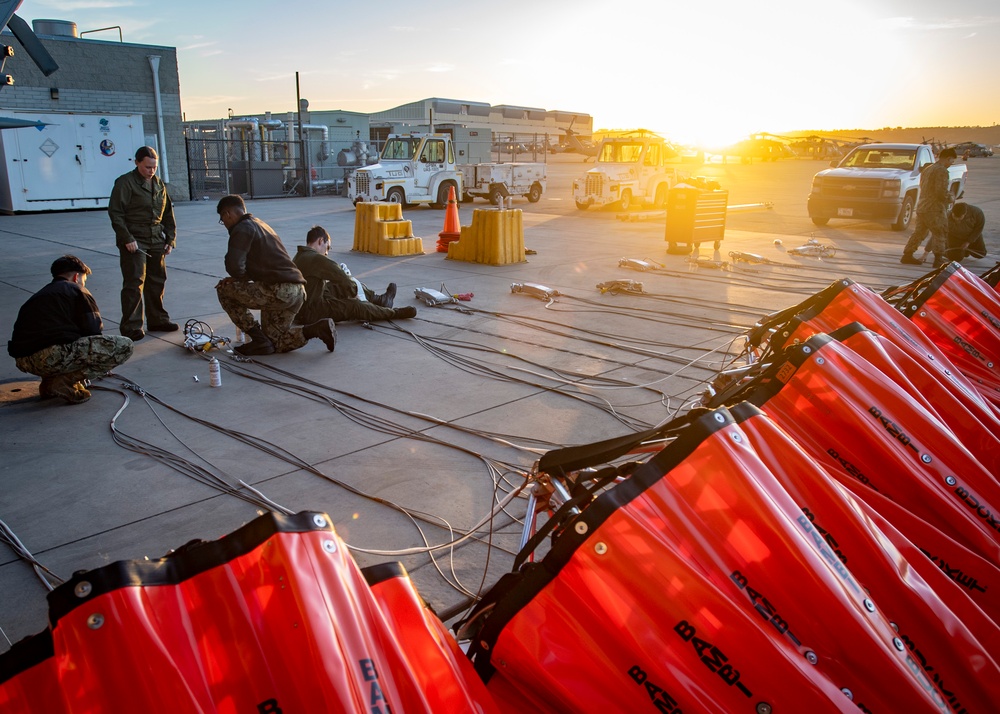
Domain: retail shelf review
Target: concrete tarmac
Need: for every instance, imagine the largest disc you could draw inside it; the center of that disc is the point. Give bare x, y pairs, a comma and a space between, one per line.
409, 432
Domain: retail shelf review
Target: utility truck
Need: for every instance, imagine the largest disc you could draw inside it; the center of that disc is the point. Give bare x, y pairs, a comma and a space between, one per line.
878, 182
419, 168
629, 170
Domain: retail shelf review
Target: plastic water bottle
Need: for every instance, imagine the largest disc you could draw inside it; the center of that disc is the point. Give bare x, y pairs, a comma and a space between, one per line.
214, 373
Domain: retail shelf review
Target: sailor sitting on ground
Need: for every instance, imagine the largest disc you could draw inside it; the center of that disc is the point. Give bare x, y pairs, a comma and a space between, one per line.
332, 293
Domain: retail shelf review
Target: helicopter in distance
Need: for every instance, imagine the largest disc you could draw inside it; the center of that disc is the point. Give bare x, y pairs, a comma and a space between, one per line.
762, 146
824, 148
573, 144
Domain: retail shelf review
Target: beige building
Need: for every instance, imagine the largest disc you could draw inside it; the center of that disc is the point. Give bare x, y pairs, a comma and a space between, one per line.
505, 120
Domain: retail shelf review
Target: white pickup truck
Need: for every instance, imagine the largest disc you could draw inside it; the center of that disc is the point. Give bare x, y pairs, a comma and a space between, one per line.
876, 182
422, 167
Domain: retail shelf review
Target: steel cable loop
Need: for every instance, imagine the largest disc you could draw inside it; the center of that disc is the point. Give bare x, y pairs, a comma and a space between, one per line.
8, 536
256, 498
686, 363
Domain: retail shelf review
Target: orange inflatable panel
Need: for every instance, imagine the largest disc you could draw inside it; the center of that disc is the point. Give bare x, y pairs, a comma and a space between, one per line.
275, 617
700, 584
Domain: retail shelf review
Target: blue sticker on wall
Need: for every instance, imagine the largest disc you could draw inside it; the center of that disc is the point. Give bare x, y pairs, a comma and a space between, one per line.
108, 147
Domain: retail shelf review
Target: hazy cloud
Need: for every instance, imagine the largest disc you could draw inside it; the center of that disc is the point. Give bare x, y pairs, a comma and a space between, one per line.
200, 99
198, 45
73, 5
440, 68
931, 24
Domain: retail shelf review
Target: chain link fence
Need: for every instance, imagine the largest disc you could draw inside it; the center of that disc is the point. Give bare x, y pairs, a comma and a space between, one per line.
257, 168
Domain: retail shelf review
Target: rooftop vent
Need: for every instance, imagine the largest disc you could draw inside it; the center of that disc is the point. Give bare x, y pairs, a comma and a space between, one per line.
56, 28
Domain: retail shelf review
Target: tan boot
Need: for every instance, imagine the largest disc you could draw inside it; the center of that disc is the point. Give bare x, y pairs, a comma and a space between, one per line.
45, 388
65, 386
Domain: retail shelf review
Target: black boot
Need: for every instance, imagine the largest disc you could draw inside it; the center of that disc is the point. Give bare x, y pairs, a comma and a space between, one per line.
400, 313
260, 344
386, 298
940, 260
908, 259
324, 330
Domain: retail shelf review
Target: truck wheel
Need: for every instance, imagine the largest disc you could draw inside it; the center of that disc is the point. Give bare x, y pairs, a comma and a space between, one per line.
443, 195
534, 193
820, 220
626, 200
496, 198
660, 199
905, 215
468, 198
396, 195
582, 206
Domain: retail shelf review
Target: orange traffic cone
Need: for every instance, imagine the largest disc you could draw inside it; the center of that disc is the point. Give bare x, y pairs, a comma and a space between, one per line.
452, 228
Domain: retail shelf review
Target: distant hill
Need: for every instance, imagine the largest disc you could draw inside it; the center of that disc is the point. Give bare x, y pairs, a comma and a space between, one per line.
989, 135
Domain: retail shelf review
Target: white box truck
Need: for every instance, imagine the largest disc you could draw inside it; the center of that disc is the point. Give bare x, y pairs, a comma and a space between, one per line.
68, 161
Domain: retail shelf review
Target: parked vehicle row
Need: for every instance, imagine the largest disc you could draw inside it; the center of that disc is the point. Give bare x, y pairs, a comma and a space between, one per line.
878, 181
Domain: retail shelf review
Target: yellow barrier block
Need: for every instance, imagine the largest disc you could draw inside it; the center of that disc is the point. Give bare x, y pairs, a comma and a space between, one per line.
379, 228
496, 237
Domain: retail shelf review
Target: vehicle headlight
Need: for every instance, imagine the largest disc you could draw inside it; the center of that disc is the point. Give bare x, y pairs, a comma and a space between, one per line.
890, 189
817, 185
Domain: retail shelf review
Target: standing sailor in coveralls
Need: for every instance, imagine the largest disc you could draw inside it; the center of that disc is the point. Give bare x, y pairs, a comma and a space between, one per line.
143, 218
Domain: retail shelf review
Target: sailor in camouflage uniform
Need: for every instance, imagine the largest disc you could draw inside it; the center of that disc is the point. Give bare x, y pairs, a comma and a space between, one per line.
58, 335
262, 276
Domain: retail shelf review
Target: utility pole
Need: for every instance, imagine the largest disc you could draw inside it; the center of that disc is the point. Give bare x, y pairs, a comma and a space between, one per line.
303, 170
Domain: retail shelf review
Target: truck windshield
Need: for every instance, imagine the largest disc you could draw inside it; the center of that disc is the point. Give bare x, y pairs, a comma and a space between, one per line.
400, 148
620, 152
881, 158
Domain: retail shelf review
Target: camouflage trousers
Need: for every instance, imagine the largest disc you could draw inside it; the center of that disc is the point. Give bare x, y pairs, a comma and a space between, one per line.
935, 223
278, 304
94, 356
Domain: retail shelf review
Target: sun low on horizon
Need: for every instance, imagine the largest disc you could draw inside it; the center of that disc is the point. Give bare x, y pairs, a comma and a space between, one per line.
713, 80
711, 76
706, 74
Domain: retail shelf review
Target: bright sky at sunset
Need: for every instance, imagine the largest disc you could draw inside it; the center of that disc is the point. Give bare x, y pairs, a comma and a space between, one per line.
695, 71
